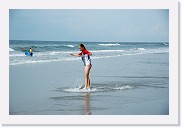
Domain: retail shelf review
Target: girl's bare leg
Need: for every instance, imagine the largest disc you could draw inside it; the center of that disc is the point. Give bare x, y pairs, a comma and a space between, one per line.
88, 82
86, 76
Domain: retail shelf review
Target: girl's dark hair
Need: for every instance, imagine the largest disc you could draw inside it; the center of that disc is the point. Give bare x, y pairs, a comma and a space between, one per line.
81, 45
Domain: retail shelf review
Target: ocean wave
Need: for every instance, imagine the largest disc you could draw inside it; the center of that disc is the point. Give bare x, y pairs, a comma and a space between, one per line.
123, 87
58, 56
116, 44
166, 44
42, 48
11, 50
99, 51
42, 53
137, 49
30, 61
42, 61
16, 55
65, 52
70, 46
158, 51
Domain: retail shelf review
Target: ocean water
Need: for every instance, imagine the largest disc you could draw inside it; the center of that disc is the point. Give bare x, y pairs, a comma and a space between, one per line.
127, 78
56, 51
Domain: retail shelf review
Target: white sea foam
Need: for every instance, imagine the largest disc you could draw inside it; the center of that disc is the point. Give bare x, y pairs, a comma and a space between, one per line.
123, 87
160, 51
99, 51
98, 89
141, 49
94, 51
68, 52
165, 44
58, 56
30, 61
80, 90
116, 44
11, 50
70, 46
16, 55
137, 49
53, 53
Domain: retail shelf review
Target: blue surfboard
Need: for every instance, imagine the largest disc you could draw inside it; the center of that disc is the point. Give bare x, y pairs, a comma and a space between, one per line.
27, 53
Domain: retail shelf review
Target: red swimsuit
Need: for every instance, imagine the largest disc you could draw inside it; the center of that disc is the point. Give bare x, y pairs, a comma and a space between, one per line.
85, 57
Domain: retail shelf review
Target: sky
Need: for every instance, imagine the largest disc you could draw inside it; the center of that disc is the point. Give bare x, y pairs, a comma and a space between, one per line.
94, 25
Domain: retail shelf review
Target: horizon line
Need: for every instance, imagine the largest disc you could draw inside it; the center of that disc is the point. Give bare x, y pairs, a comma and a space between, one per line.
86, 41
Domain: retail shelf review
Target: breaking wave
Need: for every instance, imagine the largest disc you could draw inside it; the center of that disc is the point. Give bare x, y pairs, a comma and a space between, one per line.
116, 44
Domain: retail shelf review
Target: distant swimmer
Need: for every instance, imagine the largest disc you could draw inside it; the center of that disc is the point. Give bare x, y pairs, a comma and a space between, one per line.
85, 55
30, 50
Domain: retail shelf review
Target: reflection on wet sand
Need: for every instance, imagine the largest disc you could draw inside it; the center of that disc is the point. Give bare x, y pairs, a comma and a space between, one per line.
86, 104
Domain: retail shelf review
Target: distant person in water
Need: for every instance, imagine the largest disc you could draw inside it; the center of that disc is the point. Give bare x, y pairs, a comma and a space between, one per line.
30, 50
85, 55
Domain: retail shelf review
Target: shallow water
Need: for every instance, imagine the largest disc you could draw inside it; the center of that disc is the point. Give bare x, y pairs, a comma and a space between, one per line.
126, 85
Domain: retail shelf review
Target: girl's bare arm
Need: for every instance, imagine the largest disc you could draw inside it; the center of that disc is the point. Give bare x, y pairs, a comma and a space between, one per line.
75, 55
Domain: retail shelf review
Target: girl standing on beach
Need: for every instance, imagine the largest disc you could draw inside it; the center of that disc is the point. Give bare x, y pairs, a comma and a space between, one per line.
87, 62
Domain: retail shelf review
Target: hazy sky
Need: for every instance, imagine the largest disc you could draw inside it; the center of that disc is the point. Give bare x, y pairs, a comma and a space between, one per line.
89, 25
